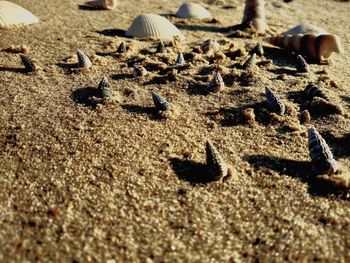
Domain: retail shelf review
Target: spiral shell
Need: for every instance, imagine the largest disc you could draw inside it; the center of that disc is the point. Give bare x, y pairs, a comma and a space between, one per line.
103, 4
160, 47
28, 63
153, 26
103, 87
216, 166
305, 28
180, 59
321, 156
312, 90
254, 14
121, 48
250, 62
160, 103
83, 60
12, 15
315, 48
274, 103
301, 64
216, 84
258, 50
192, 10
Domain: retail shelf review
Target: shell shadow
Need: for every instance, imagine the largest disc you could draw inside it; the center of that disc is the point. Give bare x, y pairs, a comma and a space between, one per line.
85, 96
300, 170
346, 99
214, 29
112, 32
279, 57
339, 145
122, 76
149, 111
16, 70
197, 89
88, 8
190, 171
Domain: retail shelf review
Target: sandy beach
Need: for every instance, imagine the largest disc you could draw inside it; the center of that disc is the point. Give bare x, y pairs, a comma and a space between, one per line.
86, 181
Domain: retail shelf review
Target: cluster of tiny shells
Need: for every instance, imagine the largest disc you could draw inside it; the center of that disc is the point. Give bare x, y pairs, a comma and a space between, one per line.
12, 15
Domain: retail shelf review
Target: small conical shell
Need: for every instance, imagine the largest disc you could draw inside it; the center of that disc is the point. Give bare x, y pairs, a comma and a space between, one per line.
121, 48
254, 14
139, 71
83, 60
103, 4
192, 10
28, 63
180, 59
210, 45
305, 28
216, 84
301, 64
160, 47
217, 168
274, 103
12, 15
321, 156
250, 62
313, 47
160, 103
312, 90
258, 50
103, 87
153, 26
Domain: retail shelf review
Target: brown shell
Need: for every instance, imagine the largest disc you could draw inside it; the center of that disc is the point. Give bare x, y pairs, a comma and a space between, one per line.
254, 14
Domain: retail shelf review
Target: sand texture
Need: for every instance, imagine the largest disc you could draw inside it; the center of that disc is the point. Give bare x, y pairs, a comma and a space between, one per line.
89, 180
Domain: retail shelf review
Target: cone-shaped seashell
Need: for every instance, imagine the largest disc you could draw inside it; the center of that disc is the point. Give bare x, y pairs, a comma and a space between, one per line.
305, 28
180, 59
12, 15
160, 47
139, 71
301, 64
121, 48
274, 103
83, 60
103, 87
254, 14
311, 91
258, 50
250, 62
315, 48
192, 10
160, 103
321, 156
216, 166
103, 4
216, 84
153, 26
28, 63
209, 44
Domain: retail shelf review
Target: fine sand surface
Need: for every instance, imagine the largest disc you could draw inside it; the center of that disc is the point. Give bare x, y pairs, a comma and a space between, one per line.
83, 181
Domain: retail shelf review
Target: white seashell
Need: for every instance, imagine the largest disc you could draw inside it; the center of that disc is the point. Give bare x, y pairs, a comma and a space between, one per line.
103, 4
15, 15
305, 28
192, 10
83, 60
153, 26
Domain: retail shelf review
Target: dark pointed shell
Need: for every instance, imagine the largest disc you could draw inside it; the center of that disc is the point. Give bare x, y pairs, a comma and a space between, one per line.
254, 14
216, 84
83, 60
103, 87
321, 156
301, 64
121, 48
274, 103
250, 62
259, 50
217, 168
315, 48
180, 59
311, 91
160, 103
28, 63
160, 47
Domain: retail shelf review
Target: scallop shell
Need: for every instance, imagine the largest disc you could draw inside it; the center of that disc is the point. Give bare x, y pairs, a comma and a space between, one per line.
103, 4
305, 28
274, 103
254, 14
153, 26
216, 166
311, 91
216, 84
321, 156
12, 15
160, 103
192, 10
315, 48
